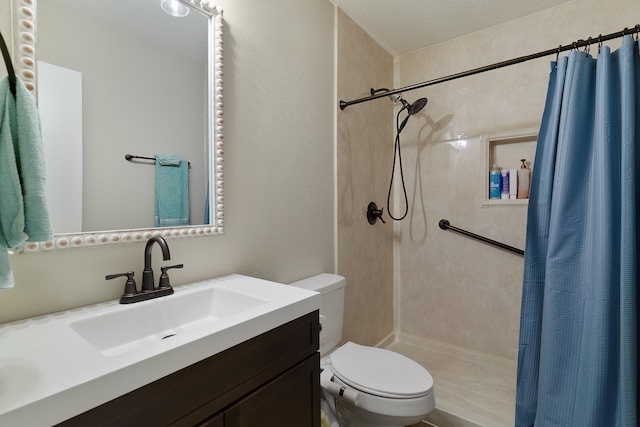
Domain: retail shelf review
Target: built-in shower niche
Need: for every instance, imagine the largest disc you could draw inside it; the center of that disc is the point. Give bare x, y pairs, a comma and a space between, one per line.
506, 149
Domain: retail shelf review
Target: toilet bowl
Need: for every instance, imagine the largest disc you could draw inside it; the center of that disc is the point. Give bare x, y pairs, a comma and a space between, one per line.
377, 387
370, 386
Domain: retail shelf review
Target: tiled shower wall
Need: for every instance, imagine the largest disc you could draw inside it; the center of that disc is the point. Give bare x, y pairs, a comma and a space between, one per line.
446, 287
451, 288
364, 159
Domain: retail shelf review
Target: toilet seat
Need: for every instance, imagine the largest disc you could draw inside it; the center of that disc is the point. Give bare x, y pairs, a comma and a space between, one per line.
380, 372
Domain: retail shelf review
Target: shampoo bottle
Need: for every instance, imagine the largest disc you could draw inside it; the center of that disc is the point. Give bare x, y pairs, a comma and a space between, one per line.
504, 193
494, 182
524, 178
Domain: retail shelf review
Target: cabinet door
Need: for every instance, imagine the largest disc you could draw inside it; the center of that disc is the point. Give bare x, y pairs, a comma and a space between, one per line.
290, 400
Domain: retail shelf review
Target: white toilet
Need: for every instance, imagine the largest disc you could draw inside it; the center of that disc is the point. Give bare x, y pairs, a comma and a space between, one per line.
371, 386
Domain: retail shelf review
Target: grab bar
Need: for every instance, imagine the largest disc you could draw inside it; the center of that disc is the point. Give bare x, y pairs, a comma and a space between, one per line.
445, 225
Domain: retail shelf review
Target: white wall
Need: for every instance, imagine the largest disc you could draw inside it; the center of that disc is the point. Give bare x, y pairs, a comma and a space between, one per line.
279, 170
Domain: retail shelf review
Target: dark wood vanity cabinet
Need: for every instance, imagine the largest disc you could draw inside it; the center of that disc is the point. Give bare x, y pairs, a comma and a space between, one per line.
285, 401
270, 380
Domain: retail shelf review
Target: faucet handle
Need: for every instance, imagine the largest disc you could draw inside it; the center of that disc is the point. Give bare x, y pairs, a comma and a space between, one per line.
164, 277
130, 286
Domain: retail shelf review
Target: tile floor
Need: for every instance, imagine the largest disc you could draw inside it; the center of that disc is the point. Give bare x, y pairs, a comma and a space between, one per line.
472, 389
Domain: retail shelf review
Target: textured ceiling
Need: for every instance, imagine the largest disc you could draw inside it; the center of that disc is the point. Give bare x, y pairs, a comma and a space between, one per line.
399, 26
404, 26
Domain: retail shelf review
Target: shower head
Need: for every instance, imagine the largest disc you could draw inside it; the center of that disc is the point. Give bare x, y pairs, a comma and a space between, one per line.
411, 108
396, 97
417, 106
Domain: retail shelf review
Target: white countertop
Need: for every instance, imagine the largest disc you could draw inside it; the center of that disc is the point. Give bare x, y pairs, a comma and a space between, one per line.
49, 373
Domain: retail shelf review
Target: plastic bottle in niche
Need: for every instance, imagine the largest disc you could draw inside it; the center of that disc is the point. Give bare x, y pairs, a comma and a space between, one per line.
524, 178
504, 184
494, 182
513, 184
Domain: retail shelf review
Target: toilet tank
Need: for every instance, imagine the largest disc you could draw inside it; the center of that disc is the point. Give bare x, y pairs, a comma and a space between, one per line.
331, 287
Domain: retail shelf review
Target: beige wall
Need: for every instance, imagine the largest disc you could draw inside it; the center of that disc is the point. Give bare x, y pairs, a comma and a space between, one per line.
450, 288
279, 186
365, 147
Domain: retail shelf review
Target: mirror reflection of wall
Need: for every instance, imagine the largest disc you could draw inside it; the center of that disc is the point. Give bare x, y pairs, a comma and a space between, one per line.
62, 130
138, 97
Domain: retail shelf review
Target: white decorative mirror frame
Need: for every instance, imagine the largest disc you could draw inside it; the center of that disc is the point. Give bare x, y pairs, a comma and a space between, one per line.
24, 41
25, 65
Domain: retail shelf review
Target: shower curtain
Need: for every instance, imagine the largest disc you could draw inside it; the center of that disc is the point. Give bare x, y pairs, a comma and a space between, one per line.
578, 349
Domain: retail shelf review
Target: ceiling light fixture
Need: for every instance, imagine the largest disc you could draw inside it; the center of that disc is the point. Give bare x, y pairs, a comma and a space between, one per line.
175, 8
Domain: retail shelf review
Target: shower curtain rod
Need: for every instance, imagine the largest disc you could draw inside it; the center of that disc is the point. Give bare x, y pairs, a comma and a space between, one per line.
557, 50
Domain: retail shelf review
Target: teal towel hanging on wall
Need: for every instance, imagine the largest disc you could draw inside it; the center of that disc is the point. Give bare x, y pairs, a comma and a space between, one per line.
171, 192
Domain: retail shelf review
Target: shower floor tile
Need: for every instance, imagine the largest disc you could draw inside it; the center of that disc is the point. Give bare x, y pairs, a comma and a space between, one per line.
472, 389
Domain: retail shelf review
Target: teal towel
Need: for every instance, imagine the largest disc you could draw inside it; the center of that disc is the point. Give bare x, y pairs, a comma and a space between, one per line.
24, 213
12, 223
172, 191
6, 274
168, 160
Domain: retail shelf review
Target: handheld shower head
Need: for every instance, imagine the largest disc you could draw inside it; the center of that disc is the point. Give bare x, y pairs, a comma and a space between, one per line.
396, 97
417, 106
411, 108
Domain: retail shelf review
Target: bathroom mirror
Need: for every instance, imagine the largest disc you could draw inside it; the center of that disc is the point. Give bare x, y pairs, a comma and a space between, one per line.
125, 77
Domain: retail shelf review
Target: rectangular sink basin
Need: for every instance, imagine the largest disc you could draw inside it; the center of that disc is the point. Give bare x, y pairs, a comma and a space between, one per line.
57, 366
142, 324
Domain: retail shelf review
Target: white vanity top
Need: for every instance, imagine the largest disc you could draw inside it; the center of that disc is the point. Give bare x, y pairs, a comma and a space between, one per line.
49, 372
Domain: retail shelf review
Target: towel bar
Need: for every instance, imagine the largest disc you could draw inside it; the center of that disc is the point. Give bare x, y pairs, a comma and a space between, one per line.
130, 157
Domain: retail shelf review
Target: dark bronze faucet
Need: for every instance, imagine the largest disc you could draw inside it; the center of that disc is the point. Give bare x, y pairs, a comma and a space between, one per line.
148, 283
149, 289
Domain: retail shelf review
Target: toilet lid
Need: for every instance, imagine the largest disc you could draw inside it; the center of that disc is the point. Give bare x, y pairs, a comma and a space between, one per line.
380, 372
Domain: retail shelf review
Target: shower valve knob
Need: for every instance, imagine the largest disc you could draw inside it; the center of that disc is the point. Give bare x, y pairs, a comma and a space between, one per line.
373, 213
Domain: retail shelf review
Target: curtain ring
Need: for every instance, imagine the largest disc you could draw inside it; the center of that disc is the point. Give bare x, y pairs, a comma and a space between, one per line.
574, 45
599, 42
587, 48
637, 28
558, 53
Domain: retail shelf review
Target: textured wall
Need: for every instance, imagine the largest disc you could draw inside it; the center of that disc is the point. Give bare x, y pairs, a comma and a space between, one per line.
365, 144
279, 185
451, 288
